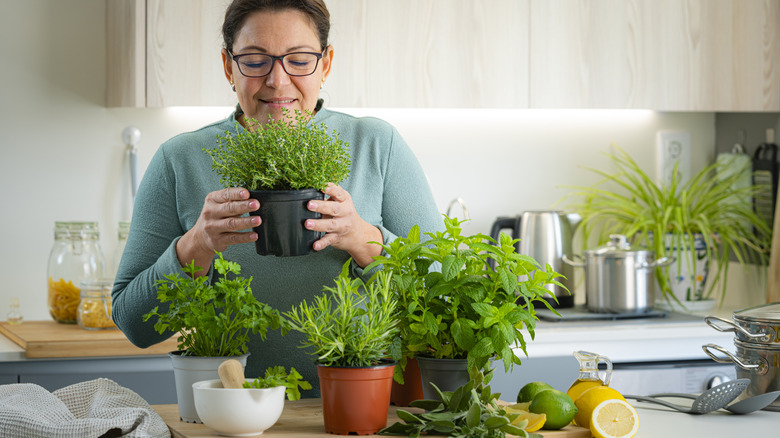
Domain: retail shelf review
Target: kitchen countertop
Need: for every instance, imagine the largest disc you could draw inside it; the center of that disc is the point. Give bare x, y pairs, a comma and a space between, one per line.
49, 340
632, 340
654, 422
673, 337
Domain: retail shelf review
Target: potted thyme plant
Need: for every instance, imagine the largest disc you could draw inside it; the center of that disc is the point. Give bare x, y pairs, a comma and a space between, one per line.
698, 222
466, 314
350, 330
283, 163
213, 321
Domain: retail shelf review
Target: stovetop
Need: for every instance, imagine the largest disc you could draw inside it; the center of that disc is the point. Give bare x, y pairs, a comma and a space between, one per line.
579, 313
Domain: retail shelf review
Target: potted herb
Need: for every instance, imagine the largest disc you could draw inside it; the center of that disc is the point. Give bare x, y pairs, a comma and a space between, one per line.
350, 330
213, 322
283, 163
465, 314
698, 222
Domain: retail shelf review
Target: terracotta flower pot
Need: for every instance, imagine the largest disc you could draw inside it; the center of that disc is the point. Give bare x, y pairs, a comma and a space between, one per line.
411, 389
356, 399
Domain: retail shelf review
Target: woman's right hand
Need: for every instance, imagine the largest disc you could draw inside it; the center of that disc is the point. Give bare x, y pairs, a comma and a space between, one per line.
219, 225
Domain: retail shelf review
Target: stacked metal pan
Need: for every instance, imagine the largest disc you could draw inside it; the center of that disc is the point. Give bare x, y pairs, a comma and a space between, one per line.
757, 342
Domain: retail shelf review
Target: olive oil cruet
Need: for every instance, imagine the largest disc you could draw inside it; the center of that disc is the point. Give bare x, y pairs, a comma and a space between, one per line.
589, 373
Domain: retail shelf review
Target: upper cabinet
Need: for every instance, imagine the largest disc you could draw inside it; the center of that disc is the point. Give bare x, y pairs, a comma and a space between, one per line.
428, 54
668, 55
166, 53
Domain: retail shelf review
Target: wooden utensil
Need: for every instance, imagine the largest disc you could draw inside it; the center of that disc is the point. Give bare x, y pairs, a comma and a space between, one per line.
231, 373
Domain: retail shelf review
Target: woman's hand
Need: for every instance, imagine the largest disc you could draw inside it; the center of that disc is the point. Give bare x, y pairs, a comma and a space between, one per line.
344, 228
219, 225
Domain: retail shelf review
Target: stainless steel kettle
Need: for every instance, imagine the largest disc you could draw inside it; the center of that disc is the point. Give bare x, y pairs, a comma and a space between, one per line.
546, 236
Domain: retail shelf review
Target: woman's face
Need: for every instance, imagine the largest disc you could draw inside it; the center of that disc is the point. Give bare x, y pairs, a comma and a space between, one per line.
276, 33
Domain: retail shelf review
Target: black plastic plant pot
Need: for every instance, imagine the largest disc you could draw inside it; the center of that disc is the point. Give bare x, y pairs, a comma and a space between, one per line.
283, 213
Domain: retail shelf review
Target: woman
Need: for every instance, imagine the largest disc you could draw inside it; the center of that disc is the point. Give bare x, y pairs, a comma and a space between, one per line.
384, 196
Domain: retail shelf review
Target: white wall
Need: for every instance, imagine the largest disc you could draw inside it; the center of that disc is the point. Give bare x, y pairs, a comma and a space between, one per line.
63, 156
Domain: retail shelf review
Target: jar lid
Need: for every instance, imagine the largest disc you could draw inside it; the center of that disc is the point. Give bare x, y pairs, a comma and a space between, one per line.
766, 313
617, 247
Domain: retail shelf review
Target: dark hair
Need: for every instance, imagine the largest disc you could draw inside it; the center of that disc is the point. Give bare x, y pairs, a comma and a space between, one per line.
239, 10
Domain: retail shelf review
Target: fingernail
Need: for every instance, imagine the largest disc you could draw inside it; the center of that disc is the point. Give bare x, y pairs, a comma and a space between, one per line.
255, 220
316, 246
254, 205
312, 204
309, 224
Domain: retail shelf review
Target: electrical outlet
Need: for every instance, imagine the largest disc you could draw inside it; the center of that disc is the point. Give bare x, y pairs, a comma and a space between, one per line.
673, 147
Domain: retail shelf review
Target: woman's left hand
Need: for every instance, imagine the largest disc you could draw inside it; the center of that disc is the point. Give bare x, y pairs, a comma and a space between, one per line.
343, 227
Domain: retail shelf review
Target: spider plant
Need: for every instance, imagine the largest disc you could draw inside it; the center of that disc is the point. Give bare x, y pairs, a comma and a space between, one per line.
703, 207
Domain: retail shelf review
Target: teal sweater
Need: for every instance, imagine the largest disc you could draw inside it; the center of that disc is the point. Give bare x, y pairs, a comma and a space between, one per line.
387, 186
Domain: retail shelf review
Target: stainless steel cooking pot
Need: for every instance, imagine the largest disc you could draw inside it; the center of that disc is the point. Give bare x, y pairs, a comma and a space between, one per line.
759, 324
618, 278
758, 362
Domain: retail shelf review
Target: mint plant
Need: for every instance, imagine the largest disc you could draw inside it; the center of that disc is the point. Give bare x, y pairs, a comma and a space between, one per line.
465, 309
352, 324
212, 319
278, 376
284, 154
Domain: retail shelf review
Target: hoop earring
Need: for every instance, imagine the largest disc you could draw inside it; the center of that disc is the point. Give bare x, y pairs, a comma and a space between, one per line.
233, 86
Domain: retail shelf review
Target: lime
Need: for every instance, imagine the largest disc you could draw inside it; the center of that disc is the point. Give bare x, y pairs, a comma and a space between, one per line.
528, 391
558, 407
591, 398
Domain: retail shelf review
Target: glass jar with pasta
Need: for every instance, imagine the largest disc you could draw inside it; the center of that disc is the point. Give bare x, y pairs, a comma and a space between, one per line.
95, 306
75, 257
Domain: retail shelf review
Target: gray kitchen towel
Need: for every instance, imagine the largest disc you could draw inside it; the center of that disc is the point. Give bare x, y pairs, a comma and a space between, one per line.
98, 408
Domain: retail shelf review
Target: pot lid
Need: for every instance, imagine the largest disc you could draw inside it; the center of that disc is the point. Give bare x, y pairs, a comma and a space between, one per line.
764, 313
618, 246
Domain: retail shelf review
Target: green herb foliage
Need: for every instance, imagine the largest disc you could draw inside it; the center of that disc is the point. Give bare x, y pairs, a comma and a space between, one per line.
640, 208
278, 376
212, 320
284, 154
469, 411
465, 310
351, 324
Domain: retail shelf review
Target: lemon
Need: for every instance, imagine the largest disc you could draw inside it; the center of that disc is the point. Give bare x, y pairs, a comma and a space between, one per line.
533, 422
528, 391
614, 419
556, 405
591, 398
580, 386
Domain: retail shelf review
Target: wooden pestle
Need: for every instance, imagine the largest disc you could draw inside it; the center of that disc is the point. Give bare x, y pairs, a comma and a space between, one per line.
231, 373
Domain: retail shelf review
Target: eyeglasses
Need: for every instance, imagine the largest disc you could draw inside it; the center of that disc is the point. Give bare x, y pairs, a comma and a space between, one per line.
258, 65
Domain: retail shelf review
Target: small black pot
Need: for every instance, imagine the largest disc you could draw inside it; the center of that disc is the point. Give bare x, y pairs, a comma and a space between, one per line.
283, 213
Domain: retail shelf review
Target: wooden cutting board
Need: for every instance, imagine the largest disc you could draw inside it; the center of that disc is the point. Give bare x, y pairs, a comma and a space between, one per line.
50, 339
303, 419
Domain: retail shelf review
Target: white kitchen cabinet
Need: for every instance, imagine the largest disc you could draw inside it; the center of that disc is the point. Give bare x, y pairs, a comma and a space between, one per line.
668, 55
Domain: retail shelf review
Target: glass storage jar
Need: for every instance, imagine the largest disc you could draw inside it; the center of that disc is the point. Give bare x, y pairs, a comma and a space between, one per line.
95, 305
75, 257
122, 232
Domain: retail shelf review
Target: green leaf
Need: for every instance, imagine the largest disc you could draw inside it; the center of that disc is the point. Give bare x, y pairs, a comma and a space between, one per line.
473, 414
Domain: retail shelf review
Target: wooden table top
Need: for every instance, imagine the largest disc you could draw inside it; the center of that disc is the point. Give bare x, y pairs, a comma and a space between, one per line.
303, 419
